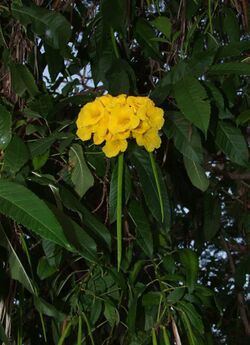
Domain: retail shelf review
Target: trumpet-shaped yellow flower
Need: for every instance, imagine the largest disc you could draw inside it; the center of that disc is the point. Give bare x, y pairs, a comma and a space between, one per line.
114, 120
90, 114
150, 140
122, 118
114, 146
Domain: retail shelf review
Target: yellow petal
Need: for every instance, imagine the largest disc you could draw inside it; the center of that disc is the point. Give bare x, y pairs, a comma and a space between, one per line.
84, 133
114, 146
137, 102
98, 139
155, 116
105, 100
141, 128
150, 140
122, 118
90, 114
123, 135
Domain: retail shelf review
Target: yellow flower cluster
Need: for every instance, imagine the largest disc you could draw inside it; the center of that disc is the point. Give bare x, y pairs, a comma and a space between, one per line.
113, 120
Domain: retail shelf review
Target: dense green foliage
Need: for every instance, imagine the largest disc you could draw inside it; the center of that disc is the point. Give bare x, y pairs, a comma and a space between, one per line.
184, 276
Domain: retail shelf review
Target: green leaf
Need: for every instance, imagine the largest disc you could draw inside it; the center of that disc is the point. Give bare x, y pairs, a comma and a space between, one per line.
196, 174
53, 253
113, 13
141, 161
186, 137
44, 269
243, 118
190, 335
5, 127
39, 161
231, 141
41, 146
111, 313
154, 339
175, 295
192, 100
189, 260
120, 78
80, 173
23, 206
212, 215
216, 94
17, 271
48, 309
163, 24
192, 314
50, 25
231, 25
238, 68
16, 154
76, 235
144, 235
23, 80
89, 220
144, 33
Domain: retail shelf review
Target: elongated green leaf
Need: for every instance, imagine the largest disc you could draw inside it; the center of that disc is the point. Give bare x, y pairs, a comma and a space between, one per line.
190, 262
23, 80
216, 94
238, 68
190, 335
165, 336
154, 339
192, 100
196, 174
80, 174
20, 204
143, 166
48, 309
193, 315
145, 34
212, 214
144, 235
163, 24
5, 127
76, 235
16, 154
17, 270
89, 220
45, 23
186, 137
231, 141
